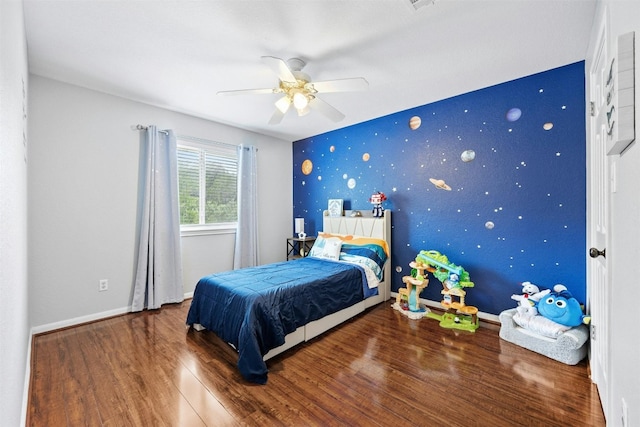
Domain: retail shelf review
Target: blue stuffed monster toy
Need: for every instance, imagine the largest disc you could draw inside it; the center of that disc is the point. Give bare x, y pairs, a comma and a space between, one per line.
561, 307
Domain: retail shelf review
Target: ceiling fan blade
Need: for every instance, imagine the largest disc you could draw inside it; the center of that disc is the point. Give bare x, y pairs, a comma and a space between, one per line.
280, 67
247, 91
282, 106
304, 111
340, 85
326, 109
276, 118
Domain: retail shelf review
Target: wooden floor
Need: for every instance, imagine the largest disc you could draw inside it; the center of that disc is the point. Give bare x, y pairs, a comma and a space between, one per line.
379, 369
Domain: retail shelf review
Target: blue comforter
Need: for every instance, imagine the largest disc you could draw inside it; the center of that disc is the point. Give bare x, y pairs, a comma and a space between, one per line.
254, 308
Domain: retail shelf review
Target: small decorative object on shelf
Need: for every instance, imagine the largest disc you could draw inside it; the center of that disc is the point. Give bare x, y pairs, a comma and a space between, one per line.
298, 247
376, 200
335, 207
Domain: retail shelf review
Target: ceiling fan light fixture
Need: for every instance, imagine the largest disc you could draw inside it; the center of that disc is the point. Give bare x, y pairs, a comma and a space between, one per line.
296, 89
283, 104
300, 101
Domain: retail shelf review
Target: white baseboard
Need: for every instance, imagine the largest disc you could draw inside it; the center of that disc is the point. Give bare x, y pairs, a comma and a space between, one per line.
436, 304
79, 320
86, 319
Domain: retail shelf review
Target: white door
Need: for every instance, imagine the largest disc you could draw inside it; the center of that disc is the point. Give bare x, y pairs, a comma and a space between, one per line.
598, 189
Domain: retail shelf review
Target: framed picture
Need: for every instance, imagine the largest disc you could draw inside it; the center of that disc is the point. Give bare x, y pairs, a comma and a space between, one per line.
335, 207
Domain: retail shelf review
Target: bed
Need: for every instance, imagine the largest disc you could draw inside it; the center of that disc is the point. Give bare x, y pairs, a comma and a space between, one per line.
265, 310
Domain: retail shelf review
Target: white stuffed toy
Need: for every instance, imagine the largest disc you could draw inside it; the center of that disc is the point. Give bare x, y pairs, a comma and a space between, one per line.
530, 295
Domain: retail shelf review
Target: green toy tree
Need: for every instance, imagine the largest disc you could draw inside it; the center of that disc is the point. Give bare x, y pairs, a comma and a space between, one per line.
441, 268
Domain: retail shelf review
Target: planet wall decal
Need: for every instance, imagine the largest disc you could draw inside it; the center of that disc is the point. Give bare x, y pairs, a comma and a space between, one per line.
468, 156
307, 167
547, 126
366, 157
513, 114
440, 184
415, 122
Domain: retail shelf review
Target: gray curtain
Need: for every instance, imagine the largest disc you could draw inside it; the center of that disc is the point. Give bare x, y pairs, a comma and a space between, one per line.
159, 267
246, 251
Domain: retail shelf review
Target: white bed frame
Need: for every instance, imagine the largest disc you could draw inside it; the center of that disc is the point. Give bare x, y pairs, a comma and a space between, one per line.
367, 226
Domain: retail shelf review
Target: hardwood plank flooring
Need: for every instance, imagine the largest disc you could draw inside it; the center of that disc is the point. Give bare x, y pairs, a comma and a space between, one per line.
378, 369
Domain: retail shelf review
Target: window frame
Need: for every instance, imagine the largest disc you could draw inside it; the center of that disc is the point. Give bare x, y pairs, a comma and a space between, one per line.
215, 148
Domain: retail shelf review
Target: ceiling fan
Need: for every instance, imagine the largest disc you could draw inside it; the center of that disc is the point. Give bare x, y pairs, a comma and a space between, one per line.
300, 91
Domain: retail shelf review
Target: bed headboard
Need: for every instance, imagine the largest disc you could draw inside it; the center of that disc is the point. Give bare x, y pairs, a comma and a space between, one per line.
365, 225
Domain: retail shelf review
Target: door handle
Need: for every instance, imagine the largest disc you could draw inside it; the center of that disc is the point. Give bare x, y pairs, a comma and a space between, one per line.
595, 253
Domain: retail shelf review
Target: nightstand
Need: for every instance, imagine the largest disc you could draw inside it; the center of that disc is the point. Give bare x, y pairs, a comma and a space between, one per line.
298, 248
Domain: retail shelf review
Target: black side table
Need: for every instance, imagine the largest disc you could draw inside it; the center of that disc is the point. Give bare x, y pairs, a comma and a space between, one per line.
298, 248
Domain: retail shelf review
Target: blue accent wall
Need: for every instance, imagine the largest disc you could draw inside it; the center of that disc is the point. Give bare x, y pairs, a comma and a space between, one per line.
495, 179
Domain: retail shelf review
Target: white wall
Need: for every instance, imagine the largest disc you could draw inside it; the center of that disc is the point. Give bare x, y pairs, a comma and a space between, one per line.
83, 199
624, 248
14, 326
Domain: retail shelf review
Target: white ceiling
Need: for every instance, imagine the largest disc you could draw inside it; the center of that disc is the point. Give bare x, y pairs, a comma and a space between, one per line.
178, 54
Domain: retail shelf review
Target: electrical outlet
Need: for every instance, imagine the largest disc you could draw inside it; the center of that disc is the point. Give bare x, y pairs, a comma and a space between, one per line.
104, 285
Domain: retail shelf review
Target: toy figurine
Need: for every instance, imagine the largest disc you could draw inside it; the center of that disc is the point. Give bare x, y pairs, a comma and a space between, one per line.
376, 200
530, 295
453, 281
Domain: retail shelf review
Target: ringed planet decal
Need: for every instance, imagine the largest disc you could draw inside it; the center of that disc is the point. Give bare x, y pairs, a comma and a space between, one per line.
440, 184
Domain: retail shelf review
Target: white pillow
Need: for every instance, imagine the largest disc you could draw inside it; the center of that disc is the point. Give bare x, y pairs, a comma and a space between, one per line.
332, 248
317, 248
540, 325
326, 248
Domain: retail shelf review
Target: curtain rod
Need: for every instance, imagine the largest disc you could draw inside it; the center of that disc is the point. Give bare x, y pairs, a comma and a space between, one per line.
192, 138
142, 127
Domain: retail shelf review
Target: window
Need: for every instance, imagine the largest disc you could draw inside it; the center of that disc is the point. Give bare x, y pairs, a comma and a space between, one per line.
207, 185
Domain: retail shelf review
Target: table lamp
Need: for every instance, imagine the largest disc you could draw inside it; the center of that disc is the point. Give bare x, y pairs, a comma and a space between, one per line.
299, 225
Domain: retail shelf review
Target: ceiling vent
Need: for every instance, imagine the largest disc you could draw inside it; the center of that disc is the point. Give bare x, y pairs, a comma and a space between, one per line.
417, 4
